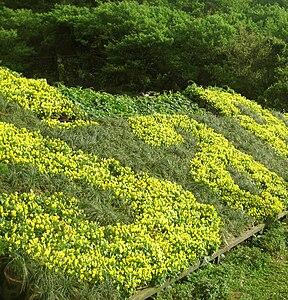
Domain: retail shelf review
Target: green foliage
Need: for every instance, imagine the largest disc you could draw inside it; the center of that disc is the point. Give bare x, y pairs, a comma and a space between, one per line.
246, 272
99, 103
276, 94
249, 66
274, 241
44, 5
104, 104
138, 46
15, 47
226, 6
138, 51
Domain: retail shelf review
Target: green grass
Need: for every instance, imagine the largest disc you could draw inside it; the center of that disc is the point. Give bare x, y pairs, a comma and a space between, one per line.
257, 270
270, 284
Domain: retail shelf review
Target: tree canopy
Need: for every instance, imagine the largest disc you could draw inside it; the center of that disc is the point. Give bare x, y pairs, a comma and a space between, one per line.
137, 46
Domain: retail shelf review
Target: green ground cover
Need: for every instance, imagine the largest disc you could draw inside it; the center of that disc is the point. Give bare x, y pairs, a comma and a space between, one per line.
256, 270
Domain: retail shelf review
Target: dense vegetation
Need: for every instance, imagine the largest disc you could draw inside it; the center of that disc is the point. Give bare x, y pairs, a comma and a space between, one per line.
138, 46
103, 194
256, 270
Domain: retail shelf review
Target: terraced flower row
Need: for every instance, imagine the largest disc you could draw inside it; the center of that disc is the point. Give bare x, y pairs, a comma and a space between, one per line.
36, 95
251, 115
42, 99
171, 229
210, 164
54, 123
157, 129
52, 230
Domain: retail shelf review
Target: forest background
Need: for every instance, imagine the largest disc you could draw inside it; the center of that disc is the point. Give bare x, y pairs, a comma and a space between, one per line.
139, 46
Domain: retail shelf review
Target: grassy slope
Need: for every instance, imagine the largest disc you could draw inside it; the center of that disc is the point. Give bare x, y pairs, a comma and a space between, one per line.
114, 138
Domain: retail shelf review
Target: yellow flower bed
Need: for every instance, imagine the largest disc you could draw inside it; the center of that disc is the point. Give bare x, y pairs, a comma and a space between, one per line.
270, 129
210, 166
33, 223
54, 123
171, 229
156, 129
37, 95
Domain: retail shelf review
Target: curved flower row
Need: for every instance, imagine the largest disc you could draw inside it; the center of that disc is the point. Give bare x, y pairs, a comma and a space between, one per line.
157, 129
211, 162
54, 123
251, 116
170, 231
36, 95
32, 223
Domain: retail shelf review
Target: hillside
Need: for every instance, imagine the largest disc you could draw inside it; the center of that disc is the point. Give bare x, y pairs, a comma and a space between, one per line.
102, 194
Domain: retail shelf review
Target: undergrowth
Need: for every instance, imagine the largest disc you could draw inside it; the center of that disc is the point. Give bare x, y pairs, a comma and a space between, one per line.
256, 270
